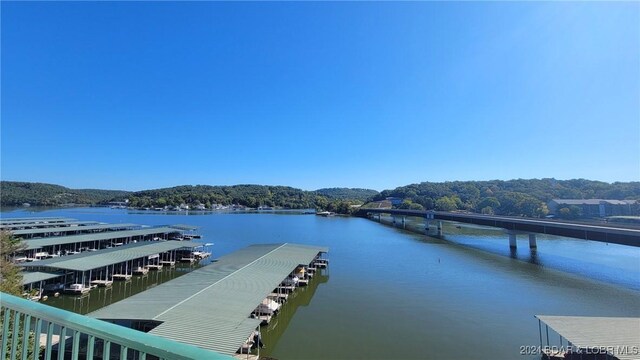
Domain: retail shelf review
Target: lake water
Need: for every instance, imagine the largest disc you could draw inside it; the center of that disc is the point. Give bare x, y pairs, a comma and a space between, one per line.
393, 294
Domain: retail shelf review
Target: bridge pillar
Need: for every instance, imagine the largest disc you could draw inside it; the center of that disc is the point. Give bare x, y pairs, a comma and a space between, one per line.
532, 241
512, 241
439, 228
404, 221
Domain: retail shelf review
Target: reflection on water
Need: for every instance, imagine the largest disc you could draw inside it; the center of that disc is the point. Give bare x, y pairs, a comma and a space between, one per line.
301, 297
610, 263
101, 297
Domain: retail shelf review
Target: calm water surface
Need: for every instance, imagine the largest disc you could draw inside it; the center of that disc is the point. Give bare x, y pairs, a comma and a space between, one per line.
394, 294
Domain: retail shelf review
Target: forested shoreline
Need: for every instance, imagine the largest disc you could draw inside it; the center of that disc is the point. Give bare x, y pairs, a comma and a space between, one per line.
521, 197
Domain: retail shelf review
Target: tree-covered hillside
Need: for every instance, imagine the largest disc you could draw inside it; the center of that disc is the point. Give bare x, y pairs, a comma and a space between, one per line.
338, 199
246, 195
348, 194
512, 197
13, 193
252, 196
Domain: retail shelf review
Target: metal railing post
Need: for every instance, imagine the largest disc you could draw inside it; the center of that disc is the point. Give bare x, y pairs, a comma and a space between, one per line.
26, 331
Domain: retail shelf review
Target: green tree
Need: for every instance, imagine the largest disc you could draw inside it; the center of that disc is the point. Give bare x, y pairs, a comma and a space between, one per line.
11, 283
408, 204
10, 277
487, 210
446, 203
490, 202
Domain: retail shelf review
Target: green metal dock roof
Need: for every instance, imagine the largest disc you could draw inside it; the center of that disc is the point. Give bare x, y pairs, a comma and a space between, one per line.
89, 260
47, 224
185, 227
54, 229
29, 277
33, 220
73, 239
618, 336
210, 307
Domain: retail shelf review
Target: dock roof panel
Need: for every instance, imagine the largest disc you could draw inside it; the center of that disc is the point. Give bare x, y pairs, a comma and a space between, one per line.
29, 277
45, 224
214, 302
4, 221
72, 228
112, 235
96, 259
185, 227
598, 332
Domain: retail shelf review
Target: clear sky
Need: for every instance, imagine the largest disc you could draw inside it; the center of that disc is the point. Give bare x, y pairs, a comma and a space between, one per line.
142, 95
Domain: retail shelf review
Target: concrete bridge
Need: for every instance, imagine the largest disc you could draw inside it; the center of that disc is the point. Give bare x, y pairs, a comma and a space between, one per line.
609, 233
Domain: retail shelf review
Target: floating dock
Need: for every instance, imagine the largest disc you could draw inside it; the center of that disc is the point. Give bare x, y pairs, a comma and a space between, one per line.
590, 337
214, 302
125, 260
86, 227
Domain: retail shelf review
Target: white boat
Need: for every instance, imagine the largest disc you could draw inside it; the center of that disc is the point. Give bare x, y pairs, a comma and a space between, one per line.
324, 213
291, 281
140, 271
76, 289
267, 307
41, 255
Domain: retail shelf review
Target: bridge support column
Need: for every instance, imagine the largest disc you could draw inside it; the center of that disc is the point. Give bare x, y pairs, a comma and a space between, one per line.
439, 228
379, 217
404, 221
532, 241
512, 241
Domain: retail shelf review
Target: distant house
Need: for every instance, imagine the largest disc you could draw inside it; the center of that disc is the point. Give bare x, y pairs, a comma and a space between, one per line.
394, 200
596, 207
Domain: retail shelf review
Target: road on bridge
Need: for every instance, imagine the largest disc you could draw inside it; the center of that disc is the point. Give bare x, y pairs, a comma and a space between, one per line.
610, 233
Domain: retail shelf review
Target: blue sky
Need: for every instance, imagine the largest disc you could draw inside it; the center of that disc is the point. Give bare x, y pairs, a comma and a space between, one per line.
144, 95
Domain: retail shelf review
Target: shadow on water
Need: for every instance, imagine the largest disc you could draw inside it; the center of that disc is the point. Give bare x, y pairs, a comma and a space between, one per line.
491, 244
101, 297
301, 297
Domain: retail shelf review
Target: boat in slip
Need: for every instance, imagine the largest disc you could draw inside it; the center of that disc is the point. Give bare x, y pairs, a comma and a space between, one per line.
76, 289
291, 281
267, 307
140, 271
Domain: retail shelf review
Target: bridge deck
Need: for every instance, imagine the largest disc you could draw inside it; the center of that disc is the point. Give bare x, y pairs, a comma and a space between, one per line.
611, 233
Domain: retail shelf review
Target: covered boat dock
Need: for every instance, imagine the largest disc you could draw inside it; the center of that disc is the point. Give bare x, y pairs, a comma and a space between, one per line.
92, 242
101, 266
583, 337
57, 230
211, 307
26, 226
33, 220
